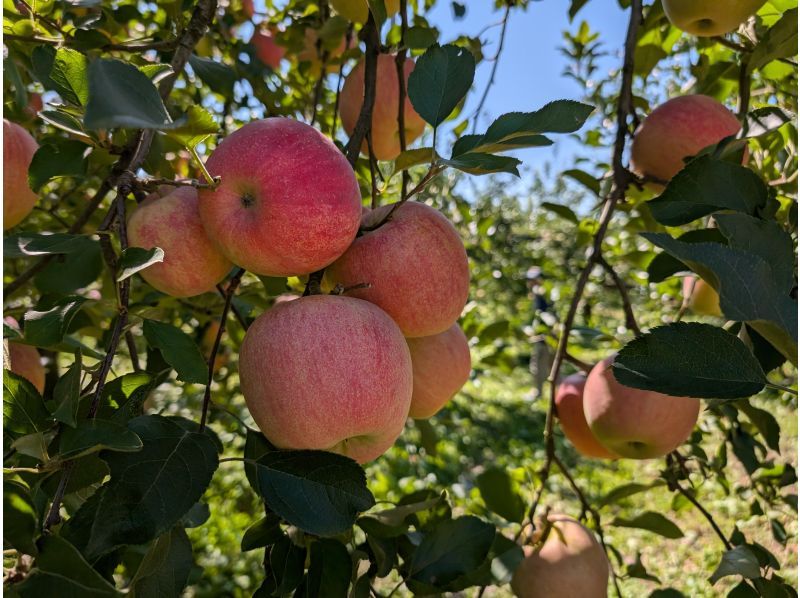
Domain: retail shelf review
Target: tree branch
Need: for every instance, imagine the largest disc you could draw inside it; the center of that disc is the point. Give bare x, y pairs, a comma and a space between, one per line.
400, 64
496, 63
364, 121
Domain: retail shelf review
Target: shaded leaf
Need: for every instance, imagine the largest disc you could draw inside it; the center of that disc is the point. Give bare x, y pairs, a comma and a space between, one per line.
329, 570
264, 532
60, 158
135, 259
477, 164
779, 42
663, 265
24, 411
219, 77
20, 521
67, 393
287, 562
561, 210
500, 495
738, 561
652, 522
440, 79
178, 350
48, 328
626, 490
165, 568
95, 435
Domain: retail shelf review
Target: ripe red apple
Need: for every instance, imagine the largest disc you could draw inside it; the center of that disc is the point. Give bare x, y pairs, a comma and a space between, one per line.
288, 203
569, 408
441, 364
570, 563
678, 129
192, 264
18, 197
358, 10
633, 423
267, 49
701, 297
385, 132
327, 372
707, 18
415, 264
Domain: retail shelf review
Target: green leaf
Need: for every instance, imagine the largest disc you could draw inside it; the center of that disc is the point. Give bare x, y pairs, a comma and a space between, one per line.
219, 77
779, 42
394, 522
62, 571
652, 522
134, 259
478, 164
69, 73
35, 244
663, 265
690, 359
708, 185
178, 350
20, 521
24, 411
439, 81
198, 125
737, 561
626, 490
329, 571
420, 38
64, 121
500, 495
264, 532
413, 157
561, 210
120, 95
765, 422
48, 328
71, 271
287, 562
67, 393
584, 178
165, 568
60, 158
95, 435
321, 493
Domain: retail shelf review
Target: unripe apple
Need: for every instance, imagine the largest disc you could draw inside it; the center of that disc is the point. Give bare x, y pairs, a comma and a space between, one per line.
18, 197
357, 11
570, 563
192, 263
441, 364
678, 129
385, 130
288, 203
634, 423
708, 18
569, 408
267, 49
415, 265
327, 372
701, 297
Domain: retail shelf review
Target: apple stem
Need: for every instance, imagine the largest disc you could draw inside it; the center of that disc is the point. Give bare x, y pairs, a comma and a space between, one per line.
212, 182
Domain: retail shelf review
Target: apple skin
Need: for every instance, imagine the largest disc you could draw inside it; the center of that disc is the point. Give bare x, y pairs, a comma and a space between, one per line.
357, 11
707, 18
18, 197
416, 265
327, 372
569, 563
569, 408
25, 361
441, 365
267, 49
634, 423
701, 298
678, 129
192, 263
385, 132
288, 204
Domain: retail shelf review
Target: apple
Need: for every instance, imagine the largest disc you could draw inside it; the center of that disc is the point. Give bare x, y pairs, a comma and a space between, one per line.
192, 264
18, 197
327, 372
570, 563
701, 297
634, 423
24, 360
311, 54
357, 11
678, 129
267, 49
35, 105
441, 365
415, 265
385, 131
708, 18
569, 408
288, 203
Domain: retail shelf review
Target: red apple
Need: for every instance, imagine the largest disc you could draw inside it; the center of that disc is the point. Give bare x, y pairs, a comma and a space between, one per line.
288, 203
441, 364
327, 372
701, 297
634, 423
385, 130
24, 360
570, 563
18, 197
415, 264
569, 408
678, 129
192, 264
267, 50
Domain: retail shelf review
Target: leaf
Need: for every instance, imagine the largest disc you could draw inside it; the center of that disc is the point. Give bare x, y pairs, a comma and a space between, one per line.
478, 164
498, 492
67, 393
62, 571
439, 81
584, 178
178, 350
413, 157
329, 571
708, 185
454, 548
149, 490
48, 328
779, 42
737, 561
394, 522
420, 38
57, 159
20, 521
120, 95
24, 411
319, 492
64, 121
219, 77
690, 359
198, 126
287, 562
264, 532
560, 210
135, 259
165, 568
663, 265
626, 490
36, 244
95, 435
72, 271
69, 73
765, 422
652, 522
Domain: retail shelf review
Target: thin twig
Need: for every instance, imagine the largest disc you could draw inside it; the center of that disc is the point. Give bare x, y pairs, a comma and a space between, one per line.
364, 121
432, 172
400, 64
496, 63
630, 318
709, 517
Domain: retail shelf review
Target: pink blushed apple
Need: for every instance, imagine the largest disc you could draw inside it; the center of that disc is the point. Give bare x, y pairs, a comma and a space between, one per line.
569, 408
18, 197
